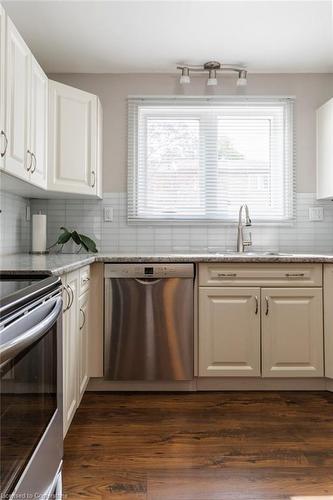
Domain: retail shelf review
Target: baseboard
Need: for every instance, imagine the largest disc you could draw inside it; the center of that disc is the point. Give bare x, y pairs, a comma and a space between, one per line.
329, 384
216, 384
260, 384
99, 384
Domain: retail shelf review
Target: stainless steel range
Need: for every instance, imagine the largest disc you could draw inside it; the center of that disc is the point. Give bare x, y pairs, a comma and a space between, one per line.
31, 386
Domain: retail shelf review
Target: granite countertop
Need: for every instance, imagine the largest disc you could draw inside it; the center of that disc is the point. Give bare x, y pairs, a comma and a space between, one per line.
58, 264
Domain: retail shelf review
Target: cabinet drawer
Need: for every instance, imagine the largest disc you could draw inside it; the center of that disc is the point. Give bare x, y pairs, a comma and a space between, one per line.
84, 279
246, 274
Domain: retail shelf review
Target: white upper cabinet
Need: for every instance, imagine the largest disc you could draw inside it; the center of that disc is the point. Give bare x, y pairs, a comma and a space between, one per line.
3, 137
38, 124
325, 151
18, 161
74, 159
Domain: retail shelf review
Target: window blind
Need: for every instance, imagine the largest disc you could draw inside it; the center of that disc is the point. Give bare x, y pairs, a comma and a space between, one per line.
199, 159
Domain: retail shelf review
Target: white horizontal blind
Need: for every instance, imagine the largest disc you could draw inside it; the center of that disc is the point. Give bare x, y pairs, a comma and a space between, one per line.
199, 159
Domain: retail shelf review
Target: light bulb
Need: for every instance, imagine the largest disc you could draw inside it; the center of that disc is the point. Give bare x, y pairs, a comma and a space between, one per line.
242, 81
212, 80
185, 76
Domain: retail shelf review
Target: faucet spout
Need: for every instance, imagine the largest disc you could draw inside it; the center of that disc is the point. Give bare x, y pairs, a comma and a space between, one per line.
241, 241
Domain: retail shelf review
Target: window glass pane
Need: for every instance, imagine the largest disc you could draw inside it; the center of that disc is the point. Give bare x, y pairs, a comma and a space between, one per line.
244, 163
172, 166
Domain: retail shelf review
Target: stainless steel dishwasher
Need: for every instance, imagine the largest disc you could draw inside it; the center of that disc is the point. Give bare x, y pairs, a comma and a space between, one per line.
148, 321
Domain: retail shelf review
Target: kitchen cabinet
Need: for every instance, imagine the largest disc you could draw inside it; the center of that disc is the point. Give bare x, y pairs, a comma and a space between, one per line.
23, 114
3, 137
75, 341
325, 151
74, 159
328, 319
38, 124
18, 161
83, 343
229, 332
292, 332
283, 334
70, 348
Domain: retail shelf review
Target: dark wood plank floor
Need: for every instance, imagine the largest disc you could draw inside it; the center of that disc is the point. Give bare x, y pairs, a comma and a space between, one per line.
201, 446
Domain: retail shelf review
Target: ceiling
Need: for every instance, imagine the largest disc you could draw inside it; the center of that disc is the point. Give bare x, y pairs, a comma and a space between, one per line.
153, 36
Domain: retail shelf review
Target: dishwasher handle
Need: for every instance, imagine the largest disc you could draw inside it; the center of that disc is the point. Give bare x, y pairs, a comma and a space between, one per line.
147, 281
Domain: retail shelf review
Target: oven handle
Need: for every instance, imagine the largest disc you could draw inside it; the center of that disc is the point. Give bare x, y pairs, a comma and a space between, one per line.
13, 347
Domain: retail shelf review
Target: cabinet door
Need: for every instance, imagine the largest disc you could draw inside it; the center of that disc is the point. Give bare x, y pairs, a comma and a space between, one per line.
70, 351
229, 332
38, 123
72, 156
328, 319
83, 342
292, 332
325, 151
2, 86
18, 160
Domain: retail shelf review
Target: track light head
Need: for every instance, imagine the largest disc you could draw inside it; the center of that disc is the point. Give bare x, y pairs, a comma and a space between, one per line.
242, 81
185, 76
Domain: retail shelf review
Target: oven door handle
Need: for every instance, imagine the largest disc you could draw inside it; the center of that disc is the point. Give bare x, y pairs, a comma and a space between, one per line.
17, 344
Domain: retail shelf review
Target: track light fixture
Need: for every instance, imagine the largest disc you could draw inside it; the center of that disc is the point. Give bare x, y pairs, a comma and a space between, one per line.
212, 67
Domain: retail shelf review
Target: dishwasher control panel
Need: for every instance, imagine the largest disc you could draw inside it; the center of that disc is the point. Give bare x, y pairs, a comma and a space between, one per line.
149, 270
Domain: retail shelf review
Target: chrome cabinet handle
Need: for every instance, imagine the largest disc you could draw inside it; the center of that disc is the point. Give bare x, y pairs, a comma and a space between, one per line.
226, 275
295, 275
68, 298
2, 133
34, 162
72, 296
30, 165
267, 306
84, 318
257, 305
94, 181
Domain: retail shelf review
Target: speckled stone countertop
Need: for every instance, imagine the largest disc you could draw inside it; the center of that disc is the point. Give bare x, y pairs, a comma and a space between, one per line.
58, 264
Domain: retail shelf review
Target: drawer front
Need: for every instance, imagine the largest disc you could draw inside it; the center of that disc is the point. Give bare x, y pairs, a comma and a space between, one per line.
84, 279
260, 274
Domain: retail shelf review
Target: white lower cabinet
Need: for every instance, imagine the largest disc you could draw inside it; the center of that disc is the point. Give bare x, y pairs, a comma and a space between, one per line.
328, 319
264, 331
292, 332
83, 342
75, 350
229, 332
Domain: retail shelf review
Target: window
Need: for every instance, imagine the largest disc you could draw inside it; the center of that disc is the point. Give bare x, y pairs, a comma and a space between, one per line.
199, 159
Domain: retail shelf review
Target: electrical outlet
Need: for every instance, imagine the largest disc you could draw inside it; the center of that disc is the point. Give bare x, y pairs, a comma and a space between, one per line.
108, 214
316, 214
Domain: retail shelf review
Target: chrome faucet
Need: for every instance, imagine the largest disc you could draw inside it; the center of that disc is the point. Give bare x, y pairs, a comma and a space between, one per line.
241, 242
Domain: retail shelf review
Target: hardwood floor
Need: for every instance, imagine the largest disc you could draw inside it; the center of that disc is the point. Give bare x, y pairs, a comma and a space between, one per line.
201, 446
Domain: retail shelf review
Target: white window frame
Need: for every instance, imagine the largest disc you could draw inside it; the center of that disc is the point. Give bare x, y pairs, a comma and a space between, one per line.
154, 102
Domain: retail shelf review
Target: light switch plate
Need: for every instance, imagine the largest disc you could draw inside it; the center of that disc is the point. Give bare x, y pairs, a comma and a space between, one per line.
316, 214
108, 214
27, 213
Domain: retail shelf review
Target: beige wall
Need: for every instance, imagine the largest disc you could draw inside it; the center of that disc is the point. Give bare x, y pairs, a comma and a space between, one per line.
311, 90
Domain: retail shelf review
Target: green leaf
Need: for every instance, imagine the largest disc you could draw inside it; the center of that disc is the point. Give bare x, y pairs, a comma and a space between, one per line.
76, 237
88, 243
64, 236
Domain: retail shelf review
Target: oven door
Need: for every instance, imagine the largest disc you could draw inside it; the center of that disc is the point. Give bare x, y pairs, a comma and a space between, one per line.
31, 400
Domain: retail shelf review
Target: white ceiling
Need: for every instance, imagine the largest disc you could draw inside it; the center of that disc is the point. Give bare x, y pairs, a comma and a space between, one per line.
153, 36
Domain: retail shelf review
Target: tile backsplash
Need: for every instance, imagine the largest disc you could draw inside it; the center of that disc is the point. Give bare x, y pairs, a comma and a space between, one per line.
87, 216
14, 227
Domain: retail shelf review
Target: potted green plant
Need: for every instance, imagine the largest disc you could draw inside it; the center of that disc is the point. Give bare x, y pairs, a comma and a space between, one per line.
83, 241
